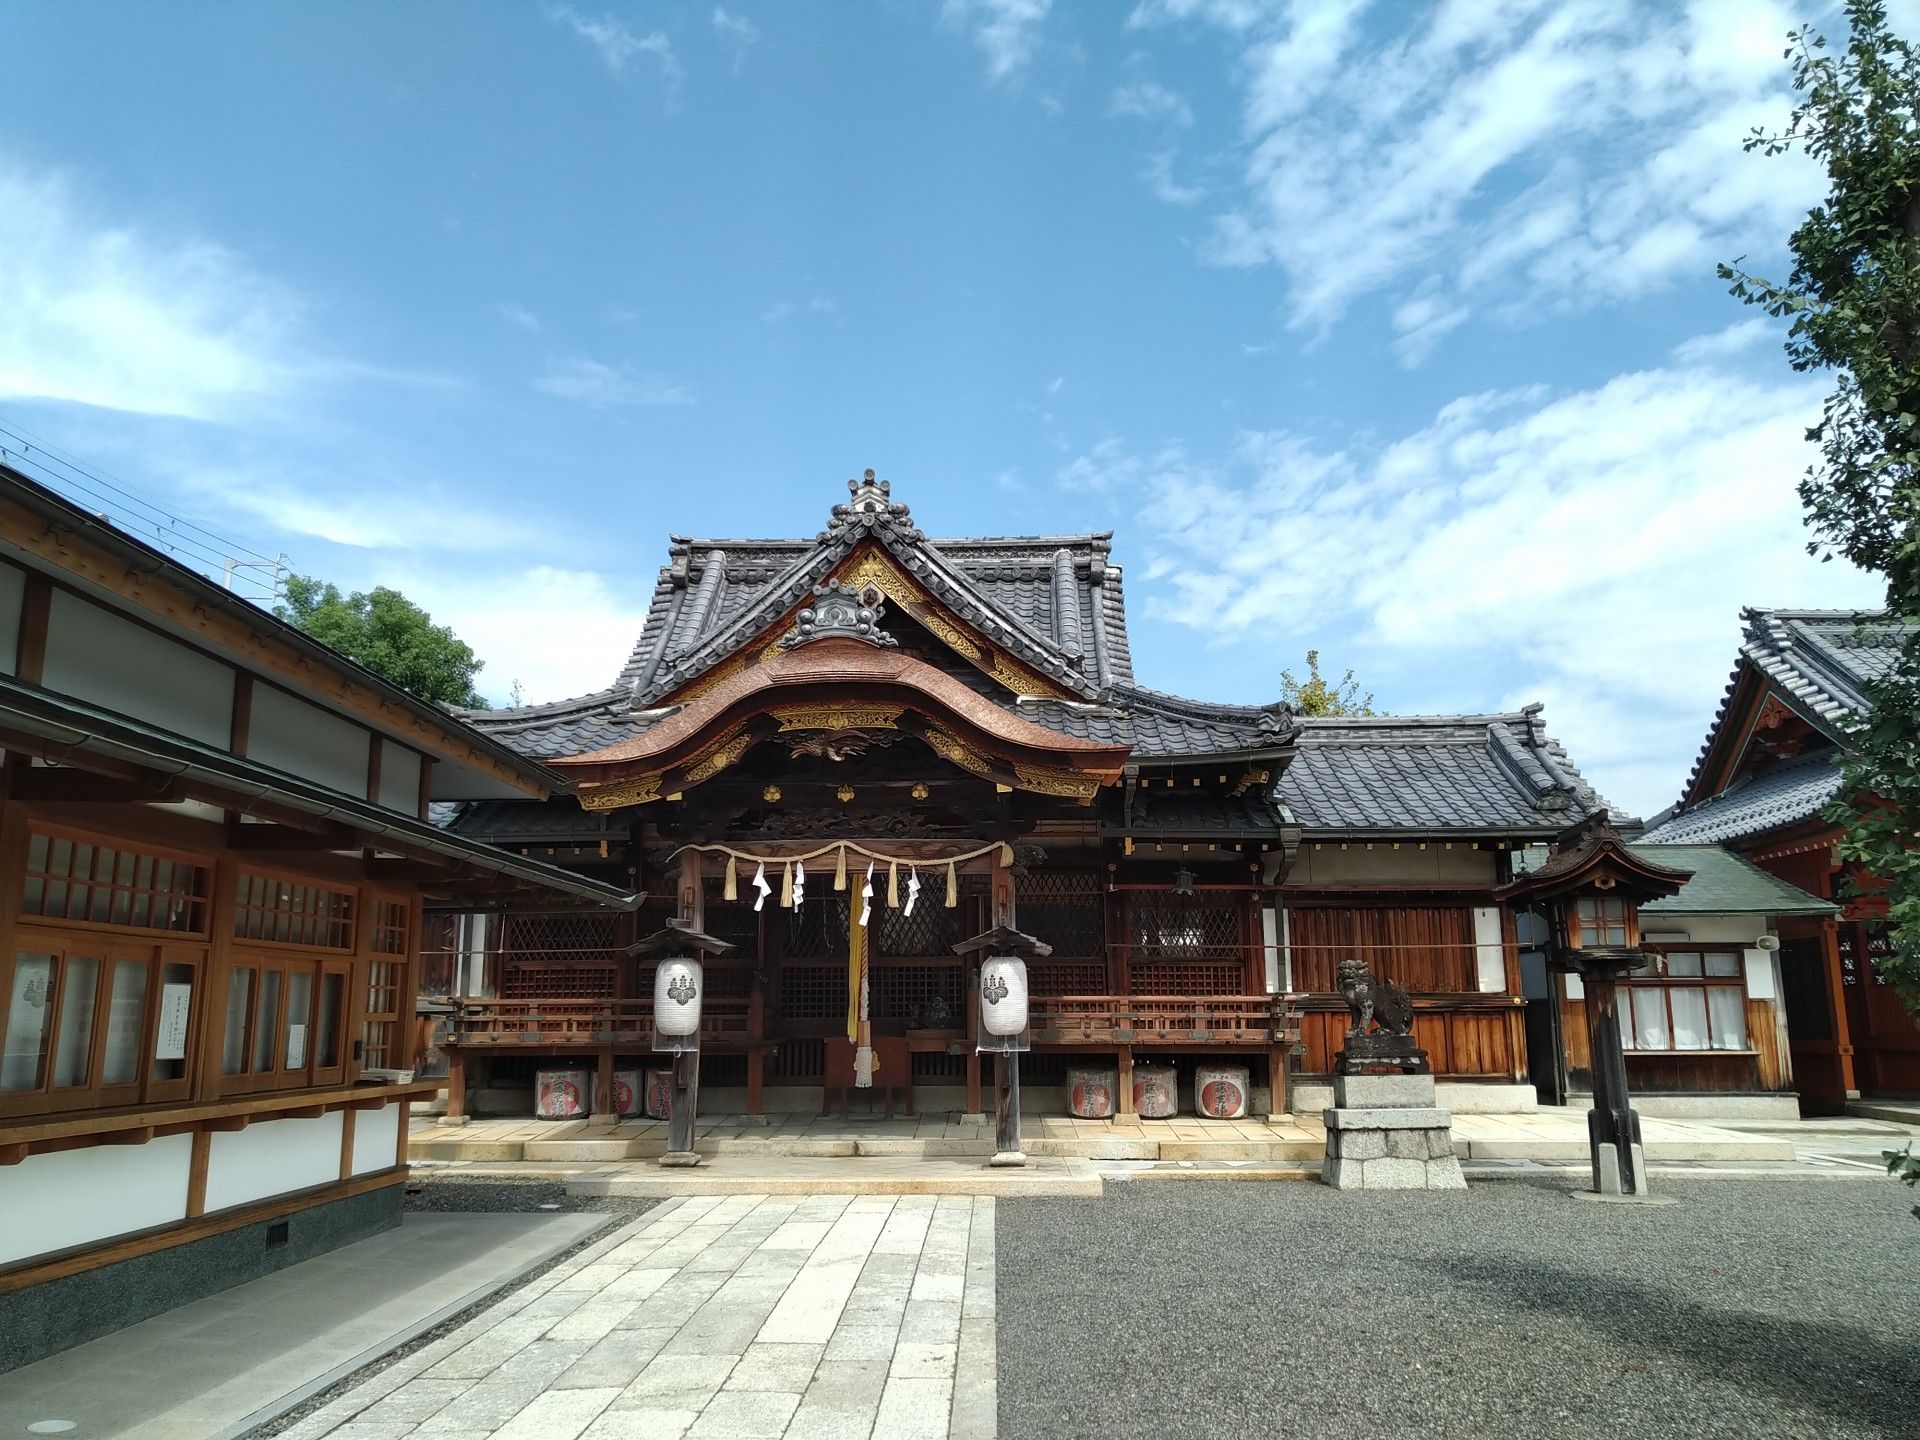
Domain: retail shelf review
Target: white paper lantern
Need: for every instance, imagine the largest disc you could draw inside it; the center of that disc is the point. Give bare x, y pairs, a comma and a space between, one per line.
677, 992
1003, 995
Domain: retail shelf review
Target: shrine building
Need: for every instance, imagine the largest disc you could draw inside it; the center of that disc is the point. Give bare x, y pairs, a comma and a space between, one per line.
935, 737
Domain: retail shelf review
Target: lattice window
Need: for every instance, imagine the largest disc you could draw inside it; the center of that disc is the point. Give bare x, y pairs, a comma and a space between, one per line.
1164, 925
818, 928
577, 937
293, 912
813, 992
899, 992
932, 929
537, 981
1176, 978
389, 932
1067, 977
386, 981
734, 921
69, 878
1067, 909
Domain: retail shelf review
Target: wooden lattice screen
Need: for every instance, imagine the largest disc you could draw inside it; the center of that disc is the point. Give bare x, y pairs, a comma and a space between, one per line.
560, 955
1427, 948
1067, 909
1187, 944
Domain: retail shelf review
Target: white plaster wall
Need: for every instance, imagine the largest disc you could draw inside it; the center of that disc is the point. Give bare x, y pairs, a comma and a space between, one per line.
1489, 953
272, 1158
1708, 929
400, 778
1331, 865
13, 586
95, 655
80, 1197
287, 733
376, 1139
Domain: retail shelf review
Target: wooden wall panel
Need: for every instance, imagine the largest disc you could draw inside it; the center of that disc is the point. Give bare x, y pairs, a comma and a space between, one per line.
1427, 948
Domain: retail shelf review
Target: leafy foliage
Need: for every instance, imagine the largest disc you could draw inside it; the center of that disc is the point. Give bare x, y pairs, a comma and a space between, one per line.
1904, 1166
1315, 696
1853, 307
390, 635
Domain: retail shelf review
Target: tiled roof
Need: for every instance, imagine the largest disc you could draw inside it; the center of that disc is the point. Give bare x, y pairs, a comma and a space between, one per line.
1430, 774
540, 822
1795, 791
1172, 813
1816, 660
1055, 601
1724, 884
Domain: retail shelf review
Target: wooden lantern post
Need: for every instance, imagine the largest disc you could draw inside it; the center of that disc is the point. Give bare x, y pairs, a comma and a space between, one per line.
1590, 889
679, 993
1003, 1026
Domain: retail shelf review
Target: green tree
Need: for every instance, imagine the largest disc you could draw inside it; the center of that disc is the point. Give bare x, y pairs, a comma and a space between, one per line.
1853, 307
1314, 696
389, 634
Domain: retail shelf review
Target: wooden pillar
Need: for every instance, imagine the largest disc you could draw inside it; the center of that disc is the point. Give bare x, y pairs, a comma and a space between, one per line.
756, 1050
1123, 1082
1611, 1121
456, 1083
1006, 1068
1277, 1078
1837, 1006
686, 1065
603, 1082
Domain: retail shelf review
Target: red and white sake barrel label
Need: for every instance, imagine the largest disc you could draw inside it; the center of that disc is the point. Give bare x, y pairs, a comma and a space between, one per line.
1156, 1092
625, 1100
560, 1094
659, 1094
1090, 1093
623, 1095
1220, 1091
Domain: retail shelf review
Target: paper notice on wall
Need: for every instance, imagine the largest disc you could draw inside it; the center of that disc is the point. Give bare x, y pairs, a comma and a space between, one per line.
176, 1008
296, 1046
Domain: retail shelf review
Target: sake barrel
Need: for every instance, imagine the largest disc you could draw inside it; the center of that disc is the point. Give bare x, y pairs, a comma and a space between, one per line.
1220, 1091
627, 1096
1090, 1091
560, 1094
659, 1094
1156, 1092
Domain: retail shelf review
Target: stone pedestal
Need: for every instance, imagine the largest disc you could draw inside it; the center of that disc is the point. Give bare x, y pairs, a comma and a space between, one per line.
1386, 1132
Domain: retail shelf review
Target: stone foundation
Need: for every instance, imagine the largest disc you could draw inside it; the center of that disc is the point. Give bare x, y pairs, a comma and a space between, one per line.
1384, 1132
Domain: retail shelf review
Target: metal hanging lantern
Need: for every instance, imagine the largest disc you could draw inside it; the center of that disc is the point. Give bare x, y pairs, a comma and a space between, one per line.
679, 986
1003, 1002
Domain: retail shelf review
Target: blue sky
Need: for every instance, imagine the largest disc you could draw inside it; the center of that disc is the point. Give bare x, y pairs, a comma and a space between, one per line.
1387, 330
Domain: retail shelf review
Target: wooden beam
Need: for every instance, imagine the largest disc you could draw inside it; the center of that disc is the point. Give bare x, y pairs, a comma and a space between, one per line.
60, 784
36, 603
255, 838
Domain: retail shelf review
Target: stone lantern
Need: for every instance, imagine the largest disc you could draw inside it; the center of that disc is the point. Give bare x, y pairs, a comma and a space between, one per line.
1590, 890
1004, 1024
679, 993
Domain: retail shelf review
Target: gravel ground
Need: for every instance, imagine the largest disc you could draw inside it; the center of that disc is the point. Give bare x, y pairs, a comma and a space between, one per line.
444, 1193
1751, 1308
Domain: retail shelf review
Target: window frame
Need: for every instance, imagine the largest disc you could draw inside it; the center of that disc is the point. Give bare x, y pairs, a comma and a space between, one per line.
285, 961
356, 907
88, 942
138, 847
1664, 984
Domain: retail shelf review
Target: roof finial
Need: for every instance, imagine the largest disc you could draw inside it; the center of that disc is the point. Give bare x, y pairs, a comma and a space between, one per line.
870, 496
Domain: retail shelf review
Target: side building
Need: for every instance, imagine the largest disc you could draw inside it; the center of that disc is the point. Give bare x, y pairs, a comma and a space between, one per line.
216, 865
1767, 771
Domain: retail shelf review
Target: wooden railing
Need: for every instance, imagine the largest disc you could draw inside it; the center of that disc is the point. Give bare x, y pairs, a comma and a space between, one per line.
543, 1024
1165, 1020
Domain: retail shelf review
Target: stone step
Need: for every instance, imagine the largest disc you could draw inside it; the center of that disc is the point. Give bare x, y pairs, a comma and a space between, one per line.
804, 1175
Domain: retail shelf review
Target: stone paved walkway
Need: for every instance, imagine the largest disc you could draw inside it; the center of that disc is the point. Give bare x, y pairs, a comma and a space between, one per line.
746, 1316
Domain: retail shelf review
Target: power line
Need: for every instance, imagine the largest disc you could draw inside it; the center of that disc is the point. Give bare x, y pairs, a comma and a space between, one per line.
236, 565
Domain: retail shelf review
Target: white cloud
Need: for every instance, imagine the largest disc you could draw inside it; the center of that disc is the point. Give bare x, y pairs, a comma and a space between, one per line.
606, 387
1422, 323
787, 309
737, 31
558, 632
519, 315
1146, 100
103, 314
1500, 155
1158, 174
618, 45
1007, 31
1599, 543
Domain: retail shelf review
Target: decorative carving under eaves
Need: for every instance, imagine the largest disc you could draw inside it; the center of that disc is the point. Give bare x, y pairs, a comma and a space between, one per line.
952, 748
842, 823
837, 745
838, 717
643, 791
1046, 781
840, 612
719, 758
